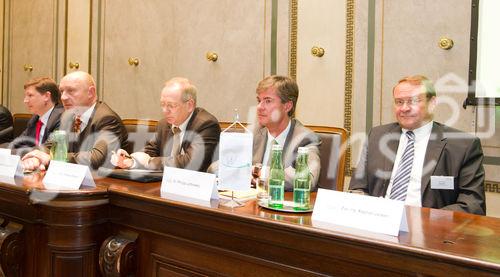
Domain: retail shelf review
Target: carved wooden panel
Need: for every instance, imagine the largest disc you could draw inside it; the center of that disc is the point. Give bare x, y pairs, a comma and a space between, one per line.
321, 24
11, 249
117, 256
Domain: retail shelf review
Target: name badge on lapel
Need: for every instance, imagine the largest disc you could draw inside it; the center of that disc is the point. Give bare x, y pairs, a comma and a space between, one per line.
442, 182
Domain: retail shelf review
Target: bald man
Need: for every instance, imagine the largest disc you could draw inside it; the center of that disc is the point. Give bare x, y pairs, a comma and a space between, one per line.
94, 129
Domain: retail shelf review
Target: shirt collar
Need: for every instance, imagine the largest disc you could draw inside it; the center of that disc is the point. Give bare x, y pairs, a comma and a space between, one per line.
45, 117
85, 117
281, 138
422, 130
184, 124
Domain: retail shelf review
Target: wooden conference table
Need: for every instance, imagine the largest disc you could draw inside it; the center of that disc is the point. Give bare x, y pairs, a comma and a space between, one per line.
123, 227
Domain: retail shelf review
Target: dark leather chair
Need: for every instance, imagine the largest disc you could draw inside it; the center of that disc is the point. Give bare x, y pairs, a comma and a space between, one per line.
332, 152
139, 133
20, 122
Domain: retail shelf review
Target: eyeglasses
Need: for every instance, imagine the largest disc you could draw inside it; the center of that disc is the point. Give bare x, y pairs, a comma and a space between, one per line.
169, 105
413, 101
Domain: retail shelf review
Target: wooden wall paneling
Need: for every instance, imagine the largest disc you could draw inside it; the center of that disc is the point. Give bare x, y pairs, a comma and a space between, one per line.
30, 45
78, 35
409, 40
137, 30
321, 23
173, 41
236, 33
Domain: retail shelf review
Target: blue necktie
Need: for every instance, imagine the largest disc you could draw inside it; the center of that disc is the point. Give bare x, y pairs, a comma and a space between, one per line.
402, 178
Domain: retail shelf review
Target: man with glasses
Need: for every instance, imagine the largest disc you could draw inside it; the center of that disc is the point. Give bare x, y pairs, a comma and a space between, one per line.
419, 161
185, 138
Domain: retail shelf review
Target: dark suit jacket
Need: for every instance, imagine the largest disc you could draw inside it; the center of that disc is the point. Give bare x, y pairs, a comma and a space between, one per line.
27, 137
298, 136
6, 129
104, 133
198, 144
450, 152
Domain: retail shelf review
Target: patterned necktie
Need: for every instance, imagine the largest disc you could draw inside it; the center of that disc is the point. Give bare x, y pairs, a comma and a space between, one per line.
76, 125
402, 178
39, 124
176, 146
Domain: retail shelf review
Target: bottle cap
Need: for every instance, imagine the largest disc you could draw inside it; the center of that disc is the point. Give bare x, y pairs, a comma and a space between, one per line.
303, 150
277, 147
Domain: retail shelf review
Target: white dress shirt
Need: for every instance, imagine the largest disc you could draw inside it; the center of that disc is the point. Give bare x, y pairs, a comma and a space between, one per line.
281, 138
422, 135
85, 117
183, 128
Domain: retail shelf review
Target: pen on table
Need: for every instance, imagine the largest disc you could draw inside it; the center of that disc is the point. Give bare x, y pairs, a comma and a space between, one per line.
126, 155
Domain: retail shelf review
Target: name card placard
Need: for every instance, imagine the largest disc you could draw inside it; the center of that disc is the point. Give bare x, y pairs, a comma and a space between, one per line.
189, 183
374, 214
67, 176
10, 165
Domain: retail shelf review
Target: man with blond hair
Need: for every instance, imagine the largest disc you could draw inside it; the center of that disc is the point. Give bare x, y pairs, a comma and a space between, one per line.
276, 102
419, 161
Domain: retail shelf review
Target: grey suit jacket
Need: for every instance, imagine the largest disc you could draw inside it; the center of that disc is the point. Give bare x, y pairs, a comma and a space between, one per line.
298, 136
27, 137
104, 133
197, 148
450, 152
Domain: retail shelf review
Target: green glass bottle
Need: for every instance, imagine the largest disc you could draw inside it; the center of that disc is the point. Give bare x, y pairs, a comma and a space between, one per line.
59, 148
302, 181
276, 184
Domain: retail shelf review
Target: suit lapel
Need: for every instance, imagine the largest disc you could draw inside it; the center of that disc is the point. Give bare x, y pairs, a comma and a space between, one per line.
435, 146
31, 126
188, 136
394, 135
168, 142
88, 128
259, 145
288, 151
392, 144
50, 123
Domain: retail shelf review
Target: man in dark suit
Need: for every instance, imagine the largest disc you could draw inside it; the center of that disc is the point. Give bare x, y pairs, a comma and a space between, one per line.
93, 129
277, 99
419, 161
185, 138
6, 128
41, 97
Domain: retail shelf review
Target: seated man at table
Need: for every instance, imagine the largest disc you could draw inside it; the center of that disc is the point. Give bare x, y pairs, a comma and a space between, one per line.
94, 129
6, 128
41, 97
422, 162
276, 102
185, 138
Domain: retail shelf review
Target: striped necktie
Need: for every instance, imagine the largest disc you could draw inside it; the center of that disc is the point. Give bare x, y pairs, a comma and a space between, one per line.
402, 178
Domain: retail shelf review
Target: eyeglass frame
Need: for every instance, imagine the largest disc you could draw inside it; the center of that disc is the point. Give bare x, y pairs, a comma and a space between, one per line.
411, 101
